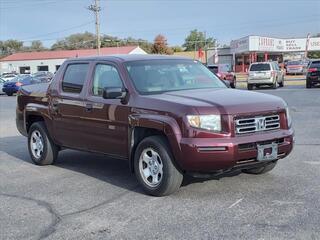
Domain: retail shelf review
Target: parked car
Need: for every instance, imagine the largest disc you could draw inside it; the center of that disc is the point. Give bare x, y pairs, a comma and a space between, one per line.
223, 71
296, 67
167, 116
43, 76
313, 74
265, 73
1, 85
13, 86
8, 76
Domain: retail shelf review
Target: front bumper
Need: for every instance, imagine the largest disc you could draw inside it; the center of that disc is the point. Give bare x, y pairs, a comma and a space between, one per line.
215, 154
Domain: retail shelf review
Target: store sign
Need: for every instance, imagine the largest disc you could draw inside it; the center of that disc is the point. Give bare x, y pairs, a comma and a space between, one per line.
266, 44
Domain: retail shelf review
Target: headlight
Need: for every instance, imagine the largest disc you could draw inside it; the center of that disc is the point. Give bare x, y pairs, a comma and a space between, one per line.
208, 122
289, 120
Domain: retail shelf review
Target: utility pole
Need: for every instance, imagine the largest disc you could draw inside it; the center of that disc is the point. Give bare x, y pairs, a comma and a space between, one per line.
96, 9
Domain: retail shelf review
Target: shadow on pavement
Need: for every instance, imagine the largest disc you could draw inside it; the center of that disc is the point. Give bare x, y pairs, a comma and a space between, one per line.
110, 170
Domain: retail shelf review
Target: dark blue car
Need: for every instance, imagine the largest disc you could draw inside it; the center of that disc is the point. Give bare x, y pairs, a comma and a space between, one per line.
15, 84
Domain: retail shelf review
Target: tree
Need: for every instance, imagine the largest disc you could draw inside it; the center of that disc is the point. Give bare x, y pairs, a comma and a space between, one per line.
177, 49
160, 45
196, 40
10, 46
76, 41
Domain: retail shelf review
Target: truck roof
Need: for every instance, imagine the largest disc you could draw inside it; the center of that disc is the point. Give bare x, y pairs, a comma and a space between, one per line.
129, 57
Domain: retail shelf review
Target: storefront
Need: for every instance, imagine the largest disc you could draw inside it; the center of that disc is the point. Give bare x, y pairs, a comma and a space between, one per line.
257, 49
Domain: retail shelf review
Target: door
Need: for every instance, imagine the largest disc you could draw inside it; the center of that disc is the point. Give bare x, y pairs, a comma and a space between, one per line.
67, 107
106, 119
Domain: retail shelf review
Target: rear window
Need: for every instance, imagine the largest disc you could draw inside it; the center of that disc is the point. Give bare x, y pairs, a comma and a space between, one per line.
295, 63
260, 67
315, 64
74, 77
213, 69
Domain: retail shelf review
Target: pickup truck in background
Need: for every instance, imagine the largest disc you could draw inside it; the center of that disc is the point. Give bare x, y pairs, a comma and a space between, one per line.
167, 116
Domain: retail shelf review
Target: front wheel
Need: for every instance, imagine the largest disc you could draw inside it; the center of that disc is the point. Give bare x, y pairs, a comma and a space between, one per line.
154, 167
261, 170
308, 84
41, 148
250, 86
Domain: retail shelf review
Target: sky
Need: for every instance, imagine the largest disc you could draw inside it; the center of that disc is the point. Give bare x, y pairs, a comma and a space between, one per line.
224, 20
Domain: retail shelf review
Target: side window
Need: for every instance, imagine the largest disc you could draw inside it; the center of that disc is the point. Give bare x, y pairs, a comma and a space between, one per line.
105, 76
74, 77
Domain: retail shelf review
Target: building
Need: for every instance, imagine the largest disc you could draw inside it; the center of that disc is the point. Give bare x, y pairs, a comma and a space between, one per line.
242, 52
31, 62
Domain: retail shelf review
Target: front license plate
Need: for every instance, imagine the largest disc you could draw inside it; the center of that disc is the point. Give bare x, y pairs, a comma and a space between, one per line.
267, 152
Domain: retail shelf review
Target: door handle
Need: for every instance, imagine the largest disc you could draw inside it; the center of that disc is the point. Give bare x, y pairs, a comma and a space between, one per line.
55, 107
89, 107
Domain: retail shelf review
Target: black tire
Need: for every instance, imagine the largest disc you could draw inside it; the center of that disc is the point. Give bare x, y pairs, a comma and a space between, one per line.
281, 84
261, 170
250, 86
171, 179
10, 94
308, 84
50, 150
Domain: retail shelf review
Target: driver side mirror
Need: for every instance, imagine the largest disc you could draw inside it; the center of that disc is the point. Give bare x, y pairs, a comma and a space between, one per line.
113, 93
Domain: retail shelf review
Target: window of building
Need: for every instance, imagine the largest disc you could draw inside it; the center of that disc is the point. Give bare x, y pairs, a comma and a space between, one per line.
105, 76
74, 77
43, 68
24, 70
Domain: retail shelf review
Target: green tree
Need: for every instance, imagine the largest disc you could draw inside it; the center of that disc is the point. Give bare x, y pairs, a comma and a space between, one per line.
160, 45
10, 46
196, 40
76, 41
177, 49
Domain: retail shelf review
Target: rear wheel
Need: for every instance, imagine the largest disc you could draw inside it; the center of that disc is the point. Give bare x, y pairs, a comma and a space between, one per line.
261, 170
9, 93
154, 167
41, 148
250, 86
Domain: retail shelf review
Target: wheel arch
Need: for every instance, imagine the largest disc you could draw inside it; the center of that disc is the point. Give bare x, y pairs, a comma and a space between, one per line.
142, 126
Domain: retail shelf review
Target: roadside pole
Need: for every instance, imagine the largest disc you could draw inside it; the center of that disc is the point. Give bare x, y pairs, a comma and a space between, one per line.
96, 9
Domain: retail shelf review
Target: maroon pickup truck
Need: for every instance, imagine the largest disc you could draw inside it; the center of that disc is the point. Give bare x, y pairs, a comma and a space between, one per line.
167, 116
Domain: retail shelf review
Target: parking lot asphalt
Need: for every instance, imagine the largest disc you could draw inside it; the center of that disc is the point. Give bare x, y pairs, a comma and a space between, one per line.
88, 196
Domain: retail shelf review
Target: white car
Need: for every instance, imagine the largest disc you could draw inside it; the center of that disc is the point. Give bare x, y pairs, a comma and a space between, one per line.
1, 85
265, 73
8, 76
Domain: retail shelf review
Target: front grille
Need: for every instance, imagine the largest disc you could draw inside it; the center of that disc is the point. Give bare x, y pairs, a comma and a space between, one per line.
257, 124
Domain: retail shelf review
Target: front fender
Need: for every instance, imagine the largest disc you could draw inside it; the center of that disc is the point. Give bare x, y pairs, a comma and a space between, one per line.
165, 124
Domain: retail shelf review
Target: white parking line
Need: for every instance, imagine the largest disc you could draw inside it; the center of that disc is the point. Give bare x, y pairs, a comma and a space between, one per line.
235, 203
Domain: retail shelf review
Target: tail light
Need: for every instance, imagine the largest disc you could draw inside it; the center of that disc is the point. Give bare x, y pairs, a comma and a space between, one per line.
219, 75
18, 84
273, 73
312, 69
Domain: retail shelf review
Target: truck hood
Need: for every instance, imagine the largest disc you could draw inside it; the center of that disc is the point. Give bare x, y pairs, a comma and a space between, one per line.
224, 101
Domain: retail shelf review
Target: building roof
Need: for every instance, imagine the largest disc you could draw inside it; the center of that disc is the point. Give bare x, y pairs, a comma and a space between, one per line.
132, 57
64, 54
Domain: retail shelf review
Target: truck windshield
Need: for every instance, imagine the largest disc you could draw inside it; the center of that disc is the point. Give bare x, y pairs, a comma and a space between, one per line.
159, 76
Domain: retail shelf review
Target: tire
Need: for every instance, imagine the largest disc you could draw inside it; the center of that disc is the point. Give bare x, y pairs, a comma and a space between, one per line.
232, 85
308, 84
156, 149
281, 84
250, 86
45, 152
261, 170
10, 94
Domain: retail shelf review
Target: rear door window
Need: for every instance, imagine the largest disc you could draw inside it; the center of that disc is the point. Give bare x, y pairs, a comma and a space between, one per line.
260, 67
75, 77
315, 64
